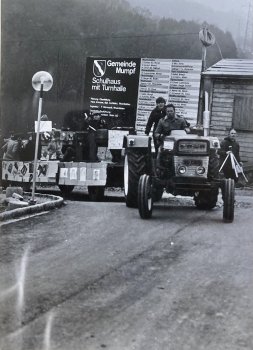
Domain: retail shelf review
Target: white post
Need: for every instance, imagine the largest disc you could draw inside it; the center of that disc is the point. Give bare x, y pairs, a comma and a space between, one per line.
206, 101
206, 116
41, 81
32, 201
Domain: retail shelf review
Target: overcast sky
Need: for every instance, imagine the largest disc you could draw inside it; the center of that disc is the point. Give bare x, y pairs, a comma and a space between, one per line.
231, 15
225, 5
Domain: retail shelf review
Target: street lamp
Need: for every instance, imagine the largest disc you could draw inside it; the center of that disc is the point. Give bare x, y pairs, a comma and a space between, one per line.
41, 81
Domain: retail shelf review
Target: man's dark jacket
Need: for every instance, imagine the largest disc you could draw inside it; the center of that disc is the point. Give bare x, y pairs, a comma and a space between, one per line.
154, 118
235, 148
167, 124
225, 146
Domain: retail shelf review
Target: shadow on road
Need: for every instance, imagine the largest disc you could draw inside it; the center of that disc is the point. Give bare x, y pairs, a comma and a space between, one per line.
82, 195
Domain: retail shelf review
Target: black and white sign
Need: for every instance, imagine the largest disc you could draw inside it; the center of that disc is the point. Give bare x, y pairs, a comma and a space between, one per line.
111, 89
124, 90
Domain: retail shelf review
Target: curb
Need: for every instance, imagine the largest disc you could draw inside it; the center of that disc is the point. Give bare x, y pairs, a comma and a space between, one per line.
52, 203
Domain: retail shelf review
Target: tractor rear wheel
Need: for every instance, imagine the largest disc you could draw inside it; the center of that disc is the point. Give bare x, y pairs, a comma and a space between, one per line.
229, 200
145, 200
134, 167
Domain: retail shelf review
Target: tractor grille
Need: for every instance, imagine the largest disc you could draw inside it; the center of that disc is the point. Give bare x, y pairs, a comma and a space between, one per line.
190, 166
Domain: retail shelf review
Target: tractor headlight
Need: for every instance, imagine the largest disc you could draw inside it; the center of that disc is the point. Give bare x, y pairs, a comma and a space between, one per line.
181, 169
200, 170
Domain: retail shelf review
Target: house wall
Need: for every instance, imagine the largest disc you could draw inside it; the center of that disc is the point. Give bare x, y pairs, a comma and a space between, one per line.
222, 96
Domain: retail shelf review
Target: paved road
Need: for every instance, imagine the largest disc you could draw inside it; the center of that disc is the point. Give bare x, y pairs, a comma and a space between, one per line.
94, 275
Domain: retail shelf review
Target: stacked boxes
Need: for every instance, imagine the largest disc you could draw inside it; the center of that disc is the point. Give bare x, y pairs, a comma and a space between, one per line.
81, 173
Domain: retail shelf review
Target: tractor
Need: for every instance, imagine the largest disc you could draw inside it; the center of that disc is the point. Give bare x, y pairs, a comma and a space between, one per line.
187, 164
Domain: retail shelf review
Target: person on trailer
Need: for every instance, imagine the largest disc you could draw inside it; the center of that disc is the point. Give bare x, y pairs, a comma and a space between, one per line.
229, 144
80, 121
12, 148
156, 114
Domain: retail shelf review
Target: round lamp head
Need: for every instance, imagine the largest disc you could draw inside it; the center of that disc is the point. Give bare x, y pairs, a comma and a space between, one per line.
42, 78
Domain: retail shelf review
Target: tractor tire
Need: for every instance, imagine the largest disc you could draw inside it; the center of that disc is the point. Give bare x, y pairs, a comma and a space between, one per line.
145, 200
134, 167
66, 189
96, 193
213, 167
229, 200
206, 200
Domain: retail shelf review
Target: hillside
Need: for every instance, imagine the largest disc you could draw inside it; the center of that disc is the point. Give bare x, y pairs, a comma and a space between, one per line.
58, 36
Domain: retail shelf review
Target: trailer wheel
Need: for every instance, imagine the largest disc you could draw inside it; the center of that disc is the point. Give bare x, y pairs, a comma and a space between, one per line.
134, 167
4, 184
145, 200
26, 187
96, 193
229, 200
206, 200
66, 189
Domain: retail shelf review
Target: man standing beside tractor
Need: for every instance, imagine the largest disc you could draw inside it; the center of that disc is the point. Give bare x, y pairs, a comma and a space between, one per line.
156, 114
229, 146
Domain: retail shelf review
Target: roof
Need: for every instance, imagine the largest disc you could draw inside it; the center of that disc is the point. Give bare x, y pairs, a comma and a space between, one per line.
239, 68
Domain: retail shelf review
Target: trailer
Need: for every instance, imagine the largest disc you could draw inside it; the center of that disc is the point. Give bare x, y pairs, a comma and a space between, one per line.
91, 158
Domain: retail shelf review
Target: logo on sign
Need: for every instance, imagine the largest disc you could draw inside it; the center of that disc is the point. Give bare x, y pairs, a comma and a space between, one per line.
99, 68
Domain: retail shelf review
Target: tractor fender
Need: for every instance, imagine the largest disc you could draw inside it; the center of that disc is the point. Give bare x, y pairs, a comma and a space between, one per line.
137, 141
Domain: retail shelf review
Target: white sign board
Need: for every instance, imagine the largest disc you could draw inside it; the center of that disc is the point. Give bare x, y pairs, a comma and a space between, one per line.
45, 126
176, 80
115, 139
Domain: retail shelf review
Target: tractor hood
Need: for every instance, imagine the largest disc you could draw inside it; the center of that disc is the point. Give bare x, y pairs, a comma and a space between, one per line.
177, 135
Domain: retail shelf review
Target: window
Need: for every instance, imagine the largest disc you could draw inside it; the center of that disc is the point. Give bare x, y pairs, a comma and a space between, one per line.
243, 113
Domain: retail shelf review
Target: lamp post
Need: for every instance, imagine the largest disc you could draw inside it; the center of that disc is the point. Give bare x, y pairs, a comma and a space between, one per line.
207, 39
41, 81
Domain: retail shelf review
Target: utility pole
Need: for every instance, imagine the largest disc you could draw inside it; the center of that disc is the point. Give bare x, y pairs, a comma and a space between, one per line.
207, 39
247, 36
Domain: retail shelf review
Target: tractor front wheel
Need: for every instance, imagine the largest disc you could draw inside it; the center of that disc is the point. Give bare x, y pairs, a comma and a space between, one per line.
145, 200
228, 199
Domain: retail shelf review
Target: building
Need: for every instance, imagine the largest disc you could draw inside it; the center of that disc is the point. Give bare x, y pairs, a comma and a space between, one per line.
229, 83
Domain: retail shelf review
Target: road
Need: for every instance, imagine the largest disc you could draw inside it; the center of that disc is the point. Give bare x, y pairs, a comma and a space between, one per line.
94, 275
